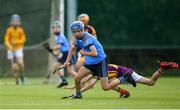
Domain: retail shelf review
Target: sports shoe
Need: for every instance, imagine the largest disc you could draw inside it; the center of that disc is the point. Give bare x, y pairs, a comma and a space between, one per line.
67, 97
77, 97
169, 65
63, 83
124, 93
129, 79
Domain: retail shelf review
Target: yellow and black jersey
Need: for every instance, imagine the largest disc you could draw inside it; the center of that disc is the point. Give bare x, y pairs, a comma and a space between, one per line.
90, 30
15, 37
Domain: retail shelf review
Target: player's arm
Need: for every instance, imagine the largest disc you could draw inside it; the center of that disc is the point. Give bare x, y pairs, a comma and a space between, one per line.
72, 41
93, 32
93, 52
70, 54
7, 40
57, 47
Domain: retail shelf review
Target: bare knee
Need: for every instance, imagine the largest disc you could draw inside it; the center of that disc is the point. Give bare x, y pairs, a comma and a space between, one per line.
105, 88
151, 83
78, 79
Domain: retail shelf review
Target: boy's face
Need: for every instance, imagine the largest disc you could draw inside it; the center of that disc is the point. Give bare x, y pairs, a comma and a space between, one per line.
15, 22
56, 30
77, 33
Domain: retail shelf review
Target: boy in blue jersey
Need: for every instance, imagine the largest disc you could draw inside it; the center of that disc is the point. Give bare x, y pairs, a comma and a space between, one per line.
62, 45
95, 60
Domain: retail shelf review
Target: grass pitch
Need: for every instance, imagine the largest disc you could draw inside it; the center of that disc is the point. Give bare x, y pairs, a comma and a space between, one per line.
165, 95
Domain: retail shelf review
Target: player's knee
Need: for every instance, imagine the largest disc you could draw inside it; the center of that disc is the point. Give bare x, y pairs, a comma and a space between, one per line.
151, 83
77, 79
105, 88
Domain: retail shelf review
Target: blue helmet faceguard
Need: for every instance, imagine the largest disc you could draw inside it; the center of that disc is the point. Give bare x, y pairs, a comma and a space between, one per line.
15, 17
77, 25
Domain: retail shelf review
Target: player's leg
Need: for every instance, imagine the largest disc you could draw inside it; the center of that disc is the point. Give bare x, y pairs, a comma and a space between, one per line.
108, 86
84, 82
71, 71
14, 67
83, 71
102, 70
127, 78
20, 60
123, 92
15, 71
86, 79
79, 63
151, 81
60, 73
90, 85
147, 81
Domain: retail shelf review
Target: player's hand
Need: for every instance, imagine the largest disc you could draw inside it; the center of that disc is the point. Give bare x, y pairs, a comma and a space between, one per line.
55, 68
12, 42
10, 48
82, 52
67, 63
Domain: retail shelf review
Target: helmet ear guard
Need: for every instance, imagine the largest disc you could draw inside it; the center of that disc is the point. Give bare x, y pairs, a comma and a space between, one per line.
77, 25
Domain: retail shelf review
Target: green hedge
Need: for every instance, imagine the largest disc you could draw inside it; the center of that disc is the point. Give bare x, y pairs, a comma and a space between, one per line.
134, 22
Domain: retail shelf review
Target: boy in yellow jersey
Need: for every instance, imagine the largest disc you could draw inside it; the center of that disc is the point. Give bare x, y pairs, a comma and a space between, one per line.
87, 28
14, 41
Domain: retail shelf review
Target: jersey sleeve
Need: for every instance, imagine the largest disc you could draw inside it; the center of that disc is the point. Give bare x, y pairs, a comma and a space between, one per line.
59, 41
88, 43
77, 46
7, 39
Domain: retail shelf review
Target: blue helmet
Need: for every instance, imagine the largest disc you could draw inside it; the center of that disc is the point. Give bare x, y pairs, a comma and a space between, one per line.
15, 17
77, 25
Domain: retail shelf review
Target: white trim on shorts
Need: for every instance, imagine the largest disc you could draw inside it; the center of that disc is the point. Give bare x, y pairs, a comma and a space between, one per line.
136, 76
17, 53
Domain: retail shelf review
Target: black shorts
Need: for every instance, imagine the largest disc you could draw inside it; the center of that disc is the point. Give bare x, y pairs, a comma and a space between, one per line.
99, 69
62, 60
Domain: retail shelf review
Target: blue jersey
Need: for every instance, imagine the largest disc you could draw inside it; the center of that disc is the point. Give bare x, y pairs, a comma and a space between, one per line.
61, 39
85, 42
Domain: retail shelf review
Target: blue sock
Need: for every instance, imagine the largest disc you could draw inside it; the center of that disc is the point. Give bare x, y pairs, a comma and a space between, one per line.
122, 80
78, 93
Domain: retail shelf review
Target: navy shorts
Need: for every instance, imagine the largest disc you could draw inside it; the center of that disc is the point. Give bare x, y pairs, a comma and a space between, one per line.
99, 69
62, 60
